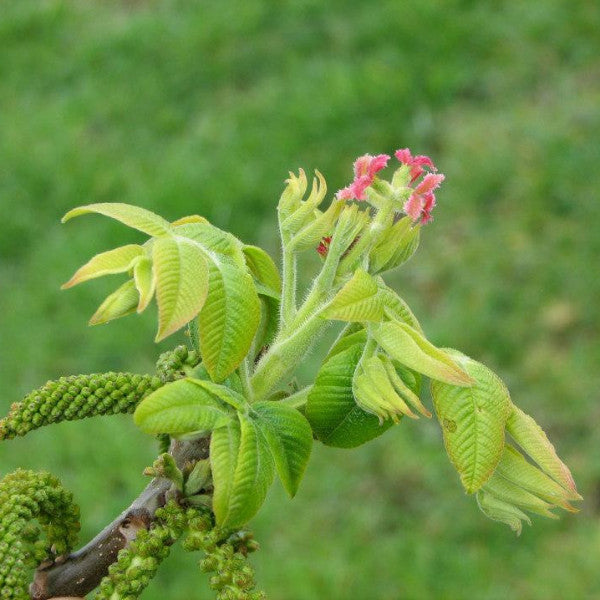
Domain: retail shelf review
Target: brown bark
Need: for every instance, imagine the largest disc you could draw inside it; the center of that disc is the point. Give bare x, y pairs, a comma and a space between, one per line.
79, 573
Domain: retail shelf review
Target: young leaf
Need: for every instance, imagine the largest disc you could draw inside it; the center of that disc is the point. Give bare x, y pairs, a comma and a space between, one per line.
144, 282
351, 335
331, 409
374, 392
515, 495
358, 300
497, 510
243, 471
118, 260
289, 436
181, 277
229, 318
531, 437
223, 393
213, 240
516, 469
181, 407
473, 420
121, 302
132, 216
396, 246
409, 347
396, 308
263, 268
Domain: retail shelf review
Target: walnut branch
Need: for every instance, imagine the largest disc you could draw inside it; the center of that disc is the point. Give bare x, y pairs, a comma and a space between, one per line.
79, 573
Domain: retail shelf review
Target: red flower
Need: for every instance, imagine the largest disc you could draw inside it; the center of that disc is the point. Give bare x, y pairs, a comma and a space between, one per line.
365, 169
416, 163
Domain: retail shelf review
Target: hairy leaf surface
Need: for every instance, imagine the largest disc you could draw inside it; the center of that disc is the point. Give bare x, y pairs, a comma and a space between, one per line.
144, 282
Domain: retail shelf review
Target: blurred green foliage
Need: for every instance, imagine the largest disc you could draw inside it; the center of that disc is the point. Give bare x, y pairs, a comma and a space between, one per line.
186, 107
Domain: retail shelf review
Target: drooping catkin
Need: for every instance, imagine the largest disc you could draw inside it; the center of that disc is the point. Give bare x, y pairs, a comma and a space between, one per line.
77, 397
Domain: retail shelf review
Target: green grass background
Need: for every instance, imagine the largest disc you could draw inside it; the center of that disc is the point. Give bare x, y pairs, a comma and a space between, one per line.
197, 107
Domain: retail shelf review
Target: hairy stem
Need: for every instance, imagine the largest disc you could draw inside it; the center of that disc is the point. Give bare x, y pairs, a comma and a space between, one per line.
79, 573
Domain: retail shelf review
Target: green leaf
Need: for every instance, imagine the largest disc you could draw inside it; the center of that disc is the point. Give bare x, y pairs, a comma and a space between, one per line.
144, 282
497, 510
351, 335
263, 268
374, 392
516, 469
121, 302
243, 471
181, 277
473, 421
229, 318
396, 246
409, 347
114, 261
223, 393
531, 437
358, 300
132, 216
331, 409
213, 240
289, 436
181, 407
396, 308
322, 224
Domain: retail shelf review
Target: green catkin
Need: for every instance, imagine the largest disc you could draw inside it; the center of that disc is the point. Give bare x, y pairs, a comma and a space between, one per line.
170, 365
77, 397
233, 577
136, 565
26, 496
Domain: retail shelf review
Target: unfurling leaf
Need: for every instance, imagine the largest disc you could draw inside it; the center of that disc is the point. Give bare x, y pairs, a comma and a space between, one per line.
409, 347
121, 302
357, 301
396, 308
331, 408
396, 246
532, 439
263, 268
181, 279
132, 216
374, 392
114, 261
295, 213
243, 471
229, 318
144, 282
181, 407
518, 486
322, 224
473, 421
213, 240
289, 436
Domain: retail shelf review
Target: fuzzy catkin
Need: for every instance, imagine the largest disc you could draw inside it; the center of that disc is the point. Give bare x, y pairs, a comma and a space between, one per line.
77, 397
26, 496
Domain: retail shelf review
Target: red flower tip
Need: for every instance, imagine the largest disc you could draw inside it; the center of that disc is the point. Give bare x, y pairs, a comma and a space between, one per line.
365, 169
